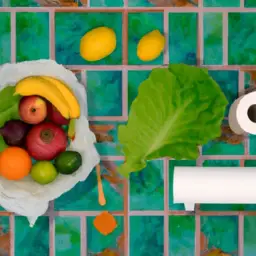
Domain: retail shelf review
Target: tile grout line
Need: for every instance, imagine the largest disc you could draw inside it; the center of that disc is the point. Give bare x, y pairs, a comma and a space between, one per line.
52, 229
240, 235
199, 162
241, 3
124, 94
13, 36
83, 236
225, 38
126, 3
200, 34
133, 9
166, 33
126, 218
166, 207
12, 234
52, 34
149, 67
83, 219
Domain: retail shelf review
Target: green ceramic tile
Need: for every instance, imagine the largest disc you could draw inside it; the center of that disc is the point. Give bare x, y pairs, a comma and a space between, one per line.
5, 39
140, 24
221, 232
108, 131
172, 164
147, 187
32, 36
141, 3
97, 243
249, 235
183, 38
24, 3
106, 3
216, 147
104, 93
182, 235
221, 3
241, 44
31, 241
252, 144
84, 196
1, 208
247, 80
228, 82
213, 39
146, 236
135, 78
224, 207
4, 236
250, 3
71, 27
67, 236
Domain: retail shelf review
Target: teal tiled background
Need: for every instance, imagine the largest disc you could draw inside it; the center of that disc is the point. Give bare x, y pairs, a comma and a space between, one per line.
105, 93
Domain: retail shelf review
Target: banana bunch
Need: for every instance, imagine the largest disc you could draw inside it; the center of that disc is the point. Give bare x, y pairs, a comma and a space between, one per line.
53, 90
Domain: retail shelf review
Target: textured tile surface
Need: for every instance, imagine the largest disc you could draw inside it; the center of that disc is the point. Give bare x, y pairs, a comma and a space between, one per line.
146, 235
221, 232
242, 49
104, 93
213, 51
32, 36
38, 237
183, 38
67, 236
182, 235
147, 188
5, 39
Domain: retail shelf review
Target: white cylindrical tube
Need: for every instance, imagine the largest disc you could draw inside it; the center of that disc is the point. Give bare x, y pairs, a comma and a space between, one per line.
214, 185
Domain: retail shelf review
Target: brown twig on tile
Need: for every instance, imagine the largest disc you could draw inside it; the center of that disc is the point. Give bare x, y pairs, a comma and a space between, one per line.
101, 137
229, 136
172, 3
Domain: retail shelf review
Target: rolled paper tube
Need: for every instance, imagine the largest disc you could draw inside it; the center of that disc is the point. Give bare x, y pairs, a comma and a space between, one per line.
214, 185
240, 110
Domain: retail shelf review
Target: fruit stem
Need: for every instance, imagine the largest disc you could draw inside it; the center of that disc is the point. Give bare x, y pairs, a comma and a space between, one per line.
46, 136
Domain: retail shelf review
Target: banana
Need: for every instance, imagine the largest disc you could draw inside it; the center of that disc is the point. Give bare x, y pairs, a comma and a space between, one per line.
35, 85
67, 93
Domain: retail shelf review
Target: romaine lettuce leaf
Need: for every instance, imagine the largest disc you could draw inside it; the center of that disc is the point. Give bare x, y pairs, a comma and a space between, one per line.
177, 109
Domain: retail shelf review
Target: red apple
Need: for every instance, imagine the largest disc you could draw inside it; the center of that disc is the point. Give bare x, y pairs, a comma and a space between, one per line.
32, 109
55, 116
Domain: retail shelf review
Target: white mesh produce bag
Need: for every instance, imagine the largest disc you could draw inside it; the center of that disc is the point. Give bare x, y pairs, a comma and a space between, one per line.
26, 197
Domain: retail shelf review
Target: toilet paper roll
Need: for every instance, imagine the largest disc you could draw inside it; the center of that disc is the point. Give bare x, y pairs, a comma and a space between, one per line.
238, 118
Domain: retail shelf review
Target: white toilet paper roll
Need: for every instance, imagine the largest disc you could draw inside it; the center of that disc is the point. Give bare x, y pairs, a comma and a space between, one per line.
239, 121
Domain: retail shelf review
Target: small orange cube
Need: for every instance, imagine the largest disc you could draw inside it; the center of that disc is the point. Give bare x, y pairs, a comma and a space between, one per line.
105, 223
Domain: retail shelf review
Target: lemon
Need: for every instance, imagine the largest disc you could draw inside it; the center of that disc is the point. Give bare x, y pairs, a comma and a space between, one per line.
150, 46
97, 44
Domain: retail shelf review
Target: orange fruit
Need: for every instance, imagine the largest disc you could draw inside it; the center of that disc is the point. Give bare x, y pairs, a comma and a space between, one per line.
15, 163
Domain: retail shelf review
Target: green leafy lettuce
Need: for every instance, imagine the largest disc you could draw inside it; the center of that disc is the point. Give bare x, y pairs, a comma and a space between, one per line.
177, 109
9, 108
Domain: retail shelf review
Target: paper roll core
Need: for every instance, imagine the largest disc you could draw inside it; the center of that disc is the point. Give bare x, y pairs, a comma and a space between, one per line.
239, 120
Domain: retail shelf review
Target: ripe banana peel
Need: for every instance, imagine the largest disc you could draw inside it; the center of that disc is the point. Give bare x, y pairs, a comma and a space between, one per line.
35, 85
67, 94
52, 89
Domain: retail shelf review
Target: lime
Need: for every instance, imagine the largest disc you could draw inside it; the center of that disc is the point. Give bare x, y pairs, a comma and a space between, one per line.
43, 172
68, 162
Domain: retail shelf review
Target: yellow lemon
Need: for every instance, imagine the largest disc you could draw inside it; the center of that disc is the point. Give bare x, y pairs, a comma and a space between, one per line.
98, 44
150, 46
